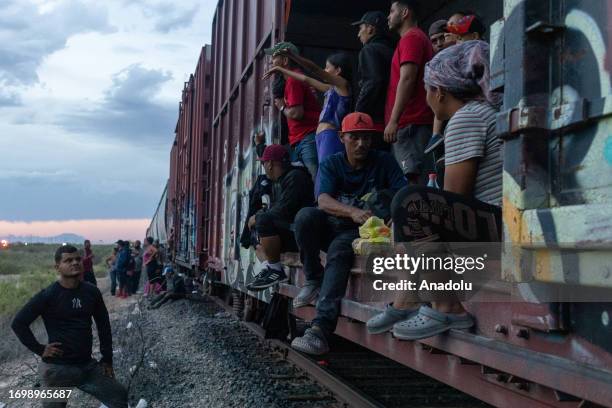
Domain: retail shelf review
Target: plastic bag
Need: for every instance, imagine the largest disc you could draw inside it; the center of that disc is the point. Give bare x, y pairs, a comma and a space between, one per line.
373, 232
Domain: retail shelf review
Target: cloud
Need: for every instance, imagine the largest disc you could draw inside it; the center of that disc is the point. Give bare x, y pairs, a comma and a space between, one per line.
129, 110
166, 15
95, 193
29, 35
9, 98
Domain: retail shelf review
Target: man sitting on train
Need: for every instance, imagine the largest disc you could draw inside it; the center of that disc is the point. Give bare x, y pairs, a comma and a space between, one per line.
292, 191
345, 178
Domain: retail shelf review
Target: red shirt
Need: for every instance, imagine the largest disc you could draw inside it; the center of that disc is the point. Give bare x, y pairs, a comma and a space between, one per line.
298, 93
87, 261
416, 48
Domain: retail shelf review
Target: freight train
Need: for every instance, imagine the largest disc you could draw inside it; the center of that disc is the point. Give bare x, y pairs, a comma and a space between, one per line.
552, 60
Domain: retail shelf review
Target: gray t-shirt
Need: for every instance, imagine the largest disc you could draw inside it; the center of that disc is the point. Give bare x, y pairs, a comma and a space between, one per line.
470, 133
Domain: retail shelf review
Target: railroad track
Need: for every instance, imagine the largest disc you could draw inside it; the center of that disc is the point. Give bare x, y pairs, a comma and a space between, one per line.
361, 378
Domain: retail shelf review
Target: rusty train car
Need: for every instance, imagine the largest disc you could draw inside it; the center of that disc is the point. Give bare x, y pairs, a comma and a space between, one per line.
552, 60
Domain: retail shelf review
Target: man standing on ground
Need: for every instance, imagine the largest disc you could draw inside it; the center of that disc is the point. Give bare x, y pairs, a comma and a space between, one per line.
374, 67
292, 191
88, 260
121, 267
137, 256
346, 178
67, 308
301, 108
408, 118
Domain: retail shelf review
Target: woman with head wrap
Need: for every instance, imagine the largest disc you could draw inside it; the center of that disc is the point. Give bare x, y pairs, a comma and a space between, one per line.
468, 209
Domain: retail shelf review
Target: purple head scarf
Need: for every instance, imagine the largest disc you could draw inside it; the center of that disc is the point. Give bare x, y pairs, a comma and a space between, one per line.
463, 70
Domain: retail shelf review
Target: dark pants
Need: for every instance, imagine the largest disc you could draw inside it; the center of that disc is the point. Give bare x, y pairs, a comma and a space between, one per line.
269, 226
306, 152
122, 278
88, 276
313, 234
135, 280
112, 274
87, 377
409, 151
422, 213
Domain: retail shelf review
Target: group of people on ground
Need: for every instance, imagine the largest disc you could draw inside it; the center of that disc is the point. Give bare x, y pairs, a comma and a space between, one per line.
70, 305
368, 153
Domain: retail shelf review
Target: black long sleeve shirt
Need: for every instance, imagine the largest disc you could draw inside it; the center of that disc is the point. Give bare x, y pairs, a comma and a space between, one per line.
67, 315
374, 70
293, 191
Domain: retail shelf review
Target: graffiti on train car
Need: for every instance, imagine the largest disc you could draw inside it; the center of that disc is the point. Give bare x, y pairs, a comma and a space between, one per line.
557, 178
240, 264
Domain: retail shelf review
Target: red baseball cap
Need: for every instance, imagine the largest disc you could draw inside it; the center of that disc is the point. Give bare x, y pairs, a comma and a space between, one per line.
274, 152
467, 24
358, 122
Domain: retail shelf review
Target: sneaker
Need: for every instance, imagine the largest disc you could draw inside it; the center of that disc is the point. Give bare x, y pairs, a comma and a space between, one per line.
308, 294
313, 342
384, 321
266, 278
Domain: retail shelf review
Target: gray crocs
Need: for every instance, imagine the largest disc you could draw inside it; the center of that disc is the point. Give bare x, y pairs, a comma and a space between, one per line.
429, 322
384, 321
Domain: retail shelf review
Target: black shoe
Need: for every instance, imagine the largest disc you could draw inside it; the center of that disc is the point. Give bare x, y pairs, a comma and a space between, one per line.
266, 278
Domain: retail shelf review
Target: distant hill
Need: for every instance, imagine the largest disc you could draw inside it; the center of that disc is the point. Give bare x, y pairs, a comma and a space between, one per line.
57, 239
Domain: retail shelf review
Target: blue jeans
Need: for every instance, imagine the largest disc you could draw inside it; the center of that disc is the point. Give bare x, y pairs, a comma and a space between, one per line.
314, 233
306, 152
113, 280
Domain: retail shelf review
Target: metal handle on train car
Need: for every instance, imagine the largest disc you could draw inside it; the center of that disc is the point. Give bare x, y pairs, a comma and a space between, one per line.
567, 116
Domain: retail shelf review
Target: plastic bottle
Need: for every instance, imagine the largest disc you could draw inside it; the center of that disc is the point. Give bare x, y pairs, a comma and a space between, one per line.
433, 182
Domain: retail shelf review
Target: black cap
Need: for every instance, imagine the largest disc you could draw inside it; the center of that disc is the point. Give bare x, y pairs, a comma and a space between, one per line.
438, 27
375, 18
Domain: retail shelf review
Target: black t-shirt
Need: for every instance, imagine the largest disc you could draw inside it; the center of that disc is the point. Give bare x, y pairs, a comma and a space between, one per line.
67, 315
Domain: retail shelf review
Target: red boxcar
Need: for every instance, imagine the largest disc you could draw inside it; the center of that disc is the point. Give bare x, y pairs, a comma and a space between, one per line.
188, 183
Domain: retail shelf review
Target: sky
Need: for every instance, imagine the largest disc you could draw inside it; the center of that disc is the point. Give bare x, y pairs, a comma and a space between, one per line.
89, 94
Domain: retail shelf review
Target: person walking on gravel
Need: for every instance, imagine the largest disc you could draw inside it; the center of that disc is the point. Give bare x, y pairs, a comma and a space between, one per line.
88, 260
67, 308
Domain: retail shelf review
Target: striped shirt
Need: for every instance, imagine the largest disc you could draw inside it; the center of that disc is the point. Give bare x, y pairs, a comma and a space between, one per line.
470, 133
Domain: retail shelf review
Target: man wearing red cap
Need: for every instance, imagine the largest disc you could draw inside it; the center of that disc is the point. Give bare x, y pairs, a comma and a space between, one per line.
293, 190
345, 178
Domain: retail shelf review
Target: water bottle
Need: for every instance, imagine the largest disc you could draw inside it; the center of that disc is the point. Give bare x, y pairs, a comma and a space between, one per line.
433, 182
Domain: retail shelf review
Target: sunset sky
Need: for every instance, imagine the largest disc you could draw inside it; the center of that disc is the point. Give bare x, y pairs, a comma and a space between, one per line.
89, 95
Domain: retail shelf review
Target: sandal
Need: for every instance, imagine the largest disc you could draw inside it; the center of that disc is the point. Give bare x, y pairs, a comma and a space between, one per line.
429, 322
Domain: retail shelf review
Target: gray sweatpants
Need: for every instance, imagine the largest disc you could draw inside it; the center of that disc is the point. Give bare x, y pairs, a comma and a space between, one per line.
87, 377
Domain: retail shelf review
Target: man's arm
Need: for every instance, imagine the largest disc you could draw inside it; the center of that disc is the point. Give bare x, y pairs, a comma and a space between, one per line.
100, 315
334, 207
405, 91
23, 320
460, 178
